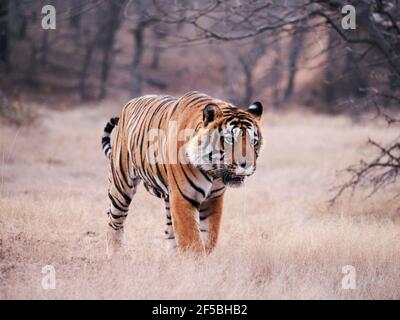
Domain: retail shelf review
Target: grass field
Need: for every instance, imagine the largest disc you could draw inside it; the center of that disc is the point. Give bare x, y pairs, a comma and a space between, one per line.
279, 238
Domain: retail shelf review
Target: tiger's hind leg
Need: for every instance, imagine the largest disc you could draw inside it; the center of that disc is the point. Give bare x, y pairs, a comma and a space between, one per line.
120, 196
169, 230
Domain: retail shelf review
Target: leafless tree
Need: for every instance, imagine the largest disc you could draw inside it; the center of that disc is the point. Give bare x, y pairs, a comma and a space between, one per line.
382, 170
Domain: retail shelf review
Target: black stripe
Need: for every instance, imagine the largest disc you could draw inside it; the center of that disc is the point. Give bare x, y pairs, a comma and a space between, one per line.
123, 172
105, 140
114, 226
117, 216
114, 121
205, 175
192, 184
194, 203
161, 177
161, 109
116, 184
156, 188
216, 190
174, 109
109, 127
114, 203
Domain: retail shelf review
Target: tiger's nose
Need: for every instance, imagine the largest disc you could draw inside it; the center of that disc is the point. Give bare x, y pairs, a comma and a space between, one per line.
245, 168
245, 164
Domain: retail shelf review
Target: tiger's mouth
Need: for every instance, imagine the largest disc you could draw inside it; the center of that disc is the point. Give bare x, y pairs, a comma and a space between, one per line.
233, 180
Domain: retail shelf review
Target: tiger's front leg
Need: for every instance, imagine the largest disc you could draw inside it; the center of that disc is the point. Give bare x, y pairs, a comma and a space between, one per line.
185, 221
210, 220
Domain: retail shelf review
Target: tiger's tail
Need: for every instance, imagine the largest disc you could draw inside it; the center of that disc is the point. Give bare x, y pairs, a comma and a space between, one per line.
106, 141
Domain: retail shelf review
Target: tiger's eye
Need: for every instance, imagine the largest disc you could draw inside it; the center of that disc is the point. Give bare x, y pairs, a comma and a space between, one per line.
253, 141
228, 139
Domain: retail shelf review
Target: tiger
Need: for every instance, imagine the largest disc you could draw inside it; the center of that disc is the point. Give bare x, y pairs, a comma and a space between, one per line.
213, 145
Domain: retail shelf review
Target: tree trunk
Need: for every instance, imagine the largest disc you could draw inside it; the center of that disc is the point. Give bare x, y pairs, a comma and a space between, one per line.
4, 35
155, 62
354, 78
328, 90
31, 71
248, 83
85, 69
111, 27
294, 54
105, 71
75, 18
157, 49
275, 77
136, 62
21, 19
44, 48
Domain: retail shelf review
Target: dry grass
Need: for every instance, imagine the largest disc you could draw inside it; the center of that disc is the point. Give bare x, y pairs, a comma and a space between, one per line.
279, 238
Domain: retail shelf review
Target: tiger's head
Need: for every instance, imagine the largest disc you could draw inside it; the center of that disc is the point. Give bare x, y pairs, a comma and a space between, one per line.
228, 143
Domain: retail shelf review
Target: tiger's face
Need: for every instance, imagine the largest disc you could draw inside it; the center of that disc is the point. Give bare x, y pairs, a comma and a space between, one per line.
228, 144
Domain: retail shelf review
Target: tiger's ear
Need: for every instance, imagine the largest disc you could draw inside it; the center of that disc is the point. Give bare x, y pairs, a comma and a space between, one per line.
210, 113
256, 109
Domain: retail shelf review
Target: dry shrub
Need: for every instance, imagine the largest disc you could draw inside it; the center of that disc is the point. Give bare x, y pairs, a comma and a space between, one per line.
14, 111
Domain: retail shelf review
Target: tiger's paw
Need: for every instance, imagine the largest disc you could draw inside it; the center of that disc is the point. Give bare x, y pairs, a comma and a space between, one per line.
115, 243
171, 244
